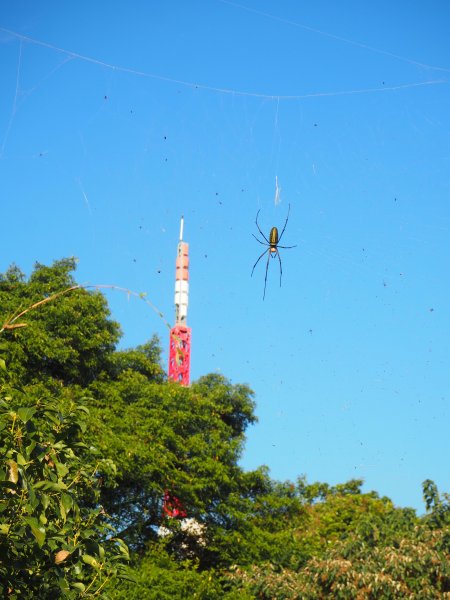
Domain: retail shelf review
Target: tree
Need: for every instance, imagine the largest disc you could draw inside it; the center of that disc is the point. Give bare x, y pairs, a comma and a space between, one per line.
54, 538
160, 576
165, 437
437, 505
69, 340
54, 535
161, 436
355, 546
234, 533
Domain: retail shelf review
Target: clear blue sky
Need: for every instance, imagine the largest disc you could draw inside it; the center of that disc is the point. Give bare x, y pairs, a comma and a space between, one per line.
117, 118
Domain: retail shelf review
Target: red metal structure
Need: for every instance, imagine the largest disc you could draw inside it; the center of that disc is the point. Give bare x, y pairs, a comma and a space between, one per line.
172, 507
180, 334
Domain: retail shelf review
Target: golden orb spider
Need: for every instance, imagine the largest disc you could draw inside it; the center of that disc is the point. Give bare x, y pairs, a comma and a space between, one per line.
273, 243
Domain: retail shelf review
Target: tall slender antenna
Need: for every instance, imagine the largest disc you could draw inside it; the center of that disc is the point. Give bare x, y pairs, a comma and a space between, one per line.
180, 334
181, 228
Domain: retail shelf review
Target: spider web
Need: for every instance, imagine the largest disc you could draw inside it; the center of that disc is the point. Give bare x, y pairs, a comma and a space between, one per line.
101, 157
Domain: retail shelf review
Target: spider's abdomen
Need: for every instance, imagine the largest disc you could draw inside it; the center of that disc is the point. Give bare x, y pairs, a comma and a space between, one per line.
273, 236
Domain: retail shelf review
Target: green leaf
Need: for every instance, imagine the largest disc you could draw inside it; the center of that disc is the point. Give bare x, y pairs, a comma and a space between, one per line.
37, 530
79, 586
87, 534
29, 449
4, 528
64, 585
50, 486
20, 459
90, 560
32, 499
2, 364
66, 501
123, 548
25, 413
61, 469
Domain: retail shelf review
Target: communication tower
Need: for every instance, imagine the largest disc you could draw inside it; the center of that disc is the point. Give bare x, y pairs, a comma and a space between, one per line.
180, 334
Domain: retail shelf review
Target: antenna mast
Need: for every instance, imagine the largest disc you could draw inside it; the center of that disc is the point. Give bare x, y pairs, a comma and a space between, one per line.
180, 334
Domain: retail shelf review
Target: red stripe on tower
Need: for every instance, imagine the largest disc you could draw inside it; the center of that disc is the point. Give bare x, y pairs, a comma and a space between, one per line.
180, 334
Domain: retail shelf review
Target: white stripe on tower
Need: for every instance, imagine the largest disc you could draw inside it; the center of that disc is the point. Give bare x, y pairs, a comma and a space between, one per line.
182, 280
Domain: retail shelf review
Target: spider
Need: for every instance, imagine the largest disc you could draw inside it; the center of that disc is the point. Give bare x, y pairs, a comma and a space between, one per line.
273, 244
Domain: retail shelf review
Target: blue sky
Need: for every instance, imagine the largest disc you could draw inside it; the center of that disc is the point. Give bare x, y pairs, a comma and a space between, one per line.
116, 119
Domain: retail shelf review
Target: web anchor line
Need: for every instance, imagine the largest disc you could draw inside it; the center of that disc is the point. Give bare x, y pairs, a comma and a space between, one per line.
220, 90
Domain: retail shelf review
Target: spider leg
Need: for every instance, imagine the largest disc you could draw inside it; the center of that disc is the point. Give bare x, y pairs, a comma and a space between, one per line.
278, 246
258, 261
281, 268
259, 228
263, 243
285, 223
265, 279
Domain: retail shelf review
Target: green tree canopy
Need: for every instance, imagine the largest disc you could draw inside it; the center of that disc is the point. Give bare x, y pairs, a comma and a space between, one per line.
68, 389
69, 340
54, 537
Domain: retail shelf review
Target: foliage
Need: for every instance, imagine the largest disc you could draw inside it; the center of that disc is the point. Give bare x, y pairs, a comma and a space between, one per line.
437, 505
158, 576
54, 540
144, 359
68, 389
69, 340
345, 511
416, 568
355, 546
165, 437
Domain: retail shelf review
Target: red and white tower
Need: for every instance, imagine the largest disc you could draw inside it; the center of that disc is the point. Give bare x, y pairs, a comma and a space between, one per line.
180, 334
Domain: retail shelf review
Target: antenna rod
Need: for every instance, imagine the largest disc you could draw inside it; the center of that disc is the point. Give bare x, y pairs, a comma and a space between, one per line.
181, 228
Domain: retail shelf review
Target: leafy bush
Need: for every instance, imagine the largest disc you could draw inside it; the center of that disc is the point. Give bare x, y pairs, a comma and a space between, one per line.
54, 540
